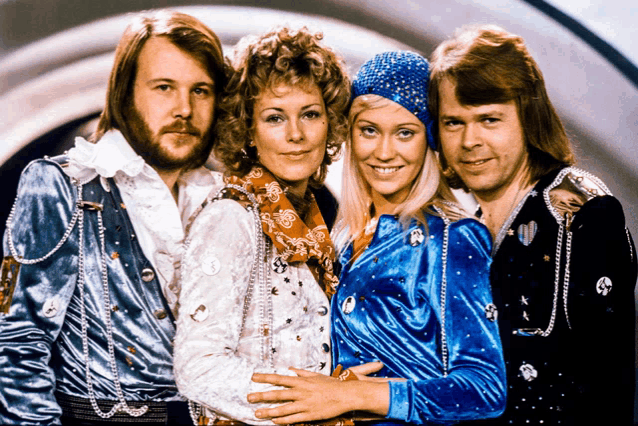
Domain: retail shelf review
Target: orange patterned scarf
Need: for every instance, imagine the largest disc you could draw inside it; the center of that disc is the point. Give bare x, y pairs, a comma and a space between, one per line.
294, 240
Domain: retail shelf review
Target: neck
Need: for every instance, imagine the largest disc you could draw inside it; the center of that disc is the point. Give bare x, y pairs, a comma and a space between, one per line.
496, 209
170, 179
381, 206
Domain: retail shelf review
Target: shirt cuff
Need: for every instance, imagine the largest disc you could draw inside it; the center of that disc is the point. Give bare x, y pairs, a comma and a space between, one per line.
399, 401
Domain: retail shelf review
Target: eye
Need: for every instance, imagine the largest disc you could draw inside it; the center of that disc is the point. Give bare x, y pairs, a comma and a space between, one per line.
405, 134
368, 131
163, 87
274, 118
312, 114
201, 91
452, 124
491, 120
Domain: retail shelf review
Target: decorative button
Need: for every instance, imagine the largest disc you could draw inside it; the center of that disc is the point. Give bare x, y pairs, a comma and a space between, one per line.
325, 347
416, 237
147, 275
491, 312
603, 286
348, 305
211, 265
200, 314
323, 311
279, 265
528, 372
51, 308
160, 314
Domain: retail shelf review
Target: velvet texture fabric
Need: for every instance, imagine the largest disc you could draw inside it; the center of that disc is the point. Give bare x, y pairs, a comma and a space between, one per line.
40, 337
579, 375
388, 307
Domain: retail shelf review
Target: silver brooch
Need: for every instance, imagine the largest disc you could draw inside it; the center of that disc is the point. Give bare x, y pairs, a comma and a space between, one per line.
348, 305
526, 232
603, 286
528, 372
491, 312
279, 265
416, 237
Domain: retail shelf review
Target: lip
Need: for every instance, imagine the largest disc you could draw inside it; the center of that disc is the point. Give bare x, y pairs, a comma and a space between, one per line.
475, 163
385, 171
295, 154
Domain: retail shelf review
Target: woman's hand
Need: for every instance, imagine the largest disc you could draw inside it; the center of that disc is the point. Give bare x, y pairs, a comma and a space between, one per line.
313, 396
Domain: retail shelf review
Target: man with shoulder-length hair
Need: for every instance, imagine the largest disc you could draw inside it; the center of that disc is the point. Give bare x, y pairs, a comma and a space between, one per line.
564, 264
90, 286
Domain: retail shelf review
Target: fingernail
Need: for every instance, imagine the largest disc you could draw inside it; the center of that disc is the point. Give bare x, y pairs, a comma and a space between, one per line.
251, 398
258, 413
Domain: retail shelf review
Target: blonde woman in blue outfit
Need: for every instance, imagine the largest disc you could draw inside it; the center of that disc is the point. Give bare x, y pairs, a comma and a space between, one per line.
413, 309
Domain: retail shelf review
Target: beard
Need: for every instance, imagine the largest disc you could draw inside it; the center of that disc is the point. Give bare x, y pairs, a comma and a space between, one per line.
149, 146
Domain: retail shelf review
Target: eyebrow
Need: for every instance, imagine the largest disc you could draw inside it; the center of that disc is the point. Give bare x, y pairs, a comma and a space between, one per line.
210, 84
278, 109
363, 120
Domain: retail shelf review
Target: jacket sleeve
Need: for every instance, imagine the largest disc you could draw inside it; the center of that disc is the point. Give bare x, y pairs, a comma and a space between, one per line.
35, 297
475, 385
212, 366
601, 310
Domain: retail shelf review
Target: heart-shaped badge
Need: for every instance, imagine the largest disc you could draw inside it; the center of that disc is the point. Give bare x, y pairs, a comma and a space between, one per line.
527, 232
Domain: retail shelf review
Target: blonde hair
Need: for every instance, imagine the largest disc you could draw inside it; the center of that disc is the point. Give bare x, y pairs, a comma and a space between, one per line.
428, 189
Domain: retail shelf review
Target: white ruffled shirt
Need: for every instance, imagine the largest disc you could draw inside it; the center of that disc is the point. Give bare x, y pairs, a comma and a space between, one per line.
158, 221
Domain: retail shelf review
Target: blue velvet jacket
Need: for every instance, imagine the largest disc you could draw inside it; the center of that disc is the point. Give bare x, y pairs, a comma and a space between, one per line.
392, 306
41, 348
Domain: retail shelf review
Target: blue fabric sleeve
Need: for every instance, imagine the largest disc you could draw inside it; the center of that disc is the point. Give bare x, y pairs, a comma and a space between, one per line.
43, 209
475, 385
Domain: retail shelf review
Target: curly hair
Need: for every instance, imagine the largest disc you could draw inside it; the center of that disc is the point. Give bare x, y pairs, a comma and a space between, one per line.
281, 56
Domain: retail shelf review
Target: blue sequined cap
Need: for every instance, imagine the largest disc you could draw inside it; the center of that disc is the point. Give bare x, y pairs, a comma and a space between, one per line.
402, 77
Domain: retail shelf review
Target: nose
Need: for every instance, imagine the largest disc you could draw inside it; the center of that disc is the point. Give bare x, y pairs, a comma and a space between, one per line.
183, 105
295, 131
384, 149
471, 137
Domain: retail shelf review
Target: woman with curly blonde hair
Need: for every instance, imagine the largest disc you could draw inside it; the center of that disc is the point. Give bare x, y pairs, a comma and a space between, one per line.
257, 273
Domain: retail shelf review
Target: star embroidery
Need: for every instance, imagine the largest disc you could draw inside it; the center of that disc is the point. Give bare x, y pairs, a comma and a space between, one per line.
288, 321
300, 284
533, 193
524, 300
287, 280
546, 258
274, 350
274, 291
510, 232
525, 316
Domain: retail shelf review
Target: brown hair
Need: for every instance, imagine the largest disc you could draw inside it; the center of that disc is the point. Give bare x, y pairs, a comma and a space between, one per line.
185, 32
281, 56
488, 65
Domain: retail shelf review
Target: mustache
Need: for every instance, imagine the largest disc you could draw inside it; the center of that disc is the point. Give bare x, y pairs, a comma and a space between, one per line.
181, 126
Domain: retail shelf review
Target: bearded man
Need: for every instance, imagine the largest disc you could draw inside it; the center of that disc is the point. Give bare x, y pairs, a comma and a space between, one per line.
89, 289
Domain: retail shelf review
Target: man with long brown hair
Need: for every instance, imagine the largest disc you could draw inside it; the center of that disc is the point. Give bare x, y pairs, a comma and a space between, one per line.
89, 290
564, 264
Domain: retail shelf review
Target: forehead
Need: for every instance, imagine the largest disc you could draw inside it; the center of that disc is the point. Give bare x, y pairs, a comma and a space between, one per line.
389, 113
285, 94
161, 59
449, 104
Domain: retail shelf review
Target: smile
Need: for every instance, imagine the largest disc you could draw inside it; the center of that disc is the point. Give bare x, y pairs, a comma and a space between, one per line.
385, 170
476, 162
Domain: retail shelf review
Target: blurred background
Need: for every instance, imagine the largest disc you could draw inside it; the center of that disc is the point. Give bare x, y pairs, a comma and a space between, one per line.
55, 57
